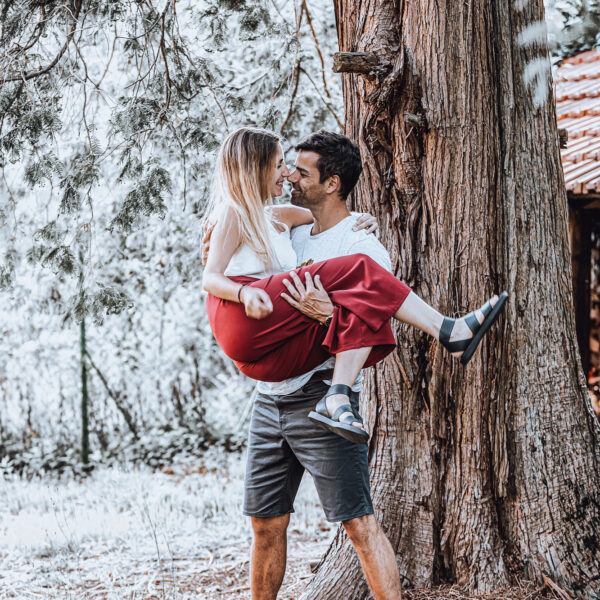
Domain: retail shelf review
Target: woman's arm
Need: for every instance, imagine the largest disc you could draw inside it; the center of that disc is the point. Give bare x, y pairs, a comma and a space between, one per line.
292, 216
225, 240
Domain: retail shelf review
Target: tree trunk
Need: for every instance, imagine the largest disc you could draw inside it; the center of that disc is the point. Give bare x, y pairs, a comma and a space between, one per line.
489, 473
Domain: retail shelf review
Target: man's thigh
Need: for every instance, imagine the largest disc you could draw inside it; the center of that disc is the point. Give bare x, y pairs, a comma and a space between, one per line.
338, 467
273, 473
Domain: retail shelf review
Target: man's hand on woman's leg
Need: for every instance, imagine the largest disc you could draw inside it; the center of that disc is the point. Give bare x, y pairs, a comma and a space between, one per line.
311, 299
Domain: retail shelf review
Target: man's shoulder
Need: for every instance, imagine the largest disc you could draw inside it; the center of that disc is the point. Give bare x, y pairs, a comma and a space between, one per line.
366, 243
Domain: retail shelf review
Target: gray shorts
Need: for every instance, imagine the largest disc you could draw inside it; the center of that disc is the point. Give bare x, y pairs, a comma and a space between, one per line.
283, 443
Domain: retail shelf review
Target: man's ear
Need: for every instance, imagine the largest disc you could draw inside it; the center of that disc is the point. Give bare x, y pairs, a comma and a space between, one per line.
334, 184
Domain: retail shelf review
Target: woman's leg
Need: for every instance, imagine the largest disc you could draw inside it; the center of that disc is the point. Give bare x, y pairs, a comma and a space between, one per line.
347, 367
286, 343
419, 314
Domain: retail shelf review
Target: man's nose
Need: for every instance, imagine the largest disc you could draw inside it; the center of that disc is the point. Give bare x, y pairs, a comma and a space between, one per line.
292, 177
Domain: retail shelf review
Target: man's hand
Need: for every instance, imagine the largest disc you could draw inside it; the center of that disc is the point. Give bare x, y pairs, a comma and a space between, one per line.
207, 230
257, 303
311, 299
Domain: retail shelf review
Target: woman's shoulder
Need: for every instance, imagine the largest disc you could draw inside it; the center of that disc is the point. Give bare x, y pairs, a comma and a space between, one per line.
226, 214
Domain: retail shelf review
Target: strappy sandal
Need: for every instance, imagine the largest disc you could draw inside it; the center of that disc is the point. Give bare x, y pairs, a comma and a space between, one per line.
468, 346
321, 417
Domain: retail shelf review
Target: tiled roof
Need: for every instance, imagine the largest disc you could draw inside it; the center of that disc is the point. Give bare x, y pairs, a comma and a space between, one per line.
578, 111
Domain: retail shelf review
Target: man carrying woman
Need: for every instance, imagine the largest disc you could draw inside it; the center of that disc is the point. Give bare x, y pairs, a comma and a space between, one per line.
255, 320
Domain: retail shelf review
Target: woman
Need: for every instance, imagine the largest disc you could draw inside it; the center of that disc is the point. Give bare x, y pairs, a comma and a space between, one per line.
249, 258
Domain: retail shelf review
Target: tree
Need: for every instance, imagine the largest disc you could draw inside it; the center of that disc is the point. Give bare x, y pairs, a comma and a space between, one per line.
489, 473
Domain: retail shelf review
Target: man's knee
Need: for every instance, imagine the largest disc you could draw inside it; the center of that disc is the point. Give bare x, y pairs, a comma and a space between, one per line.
266, 528
361, 530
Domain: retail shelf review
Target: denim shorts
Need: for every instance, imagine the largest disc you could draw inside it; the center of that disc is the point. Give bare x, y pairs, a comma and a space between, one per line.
284, 442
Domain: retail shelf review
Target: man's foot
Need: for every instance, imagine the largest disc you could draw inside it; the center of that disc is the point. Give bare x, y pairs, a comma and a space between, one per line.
337, 415
461, 336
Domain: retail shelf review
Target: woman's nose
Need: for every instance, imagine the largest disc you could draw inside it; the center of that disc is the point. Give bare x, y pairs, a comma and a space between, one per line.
286, 171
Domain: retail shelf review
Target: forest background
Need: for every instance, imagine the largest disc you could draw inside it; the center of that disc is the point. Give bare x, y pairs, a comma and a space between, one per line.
106, 163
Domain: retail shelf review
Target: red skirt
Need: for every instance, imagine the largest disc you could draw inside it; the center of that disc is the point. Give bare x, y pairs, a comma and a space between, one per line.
286, 343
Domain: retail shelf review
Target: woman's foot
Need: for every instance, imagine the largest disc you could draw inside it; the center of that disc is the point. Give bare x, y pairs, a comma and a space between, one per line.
334, 412
461, 336
334, 402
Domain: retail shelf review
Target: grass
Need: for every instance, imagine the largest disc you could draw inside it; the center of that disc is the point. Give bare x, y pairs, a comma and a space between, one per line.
173, 534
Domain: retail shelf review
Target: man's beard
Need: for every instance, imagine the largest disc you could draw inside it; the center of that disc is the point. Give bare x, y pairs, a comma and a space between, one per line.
300, 199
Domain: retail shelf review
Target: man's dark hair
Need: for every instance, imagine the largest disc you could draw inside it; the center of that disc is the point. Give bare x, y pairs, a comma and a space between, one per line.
338, 156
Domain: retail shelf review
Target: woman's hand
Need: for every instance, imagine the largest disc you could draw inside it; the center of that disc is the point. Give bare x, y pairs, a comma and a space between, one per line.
367, 222
257, 302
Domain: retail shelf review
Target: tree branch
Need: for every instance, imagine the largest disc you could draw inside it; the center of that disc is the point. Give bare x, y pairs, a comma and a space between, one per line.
329, 107
114, 397
49, 67
317, 45
359, 62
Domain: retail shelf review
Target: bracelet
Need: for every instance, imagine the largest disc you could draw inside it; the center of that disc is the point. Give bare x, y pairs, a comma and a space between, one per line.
240, 293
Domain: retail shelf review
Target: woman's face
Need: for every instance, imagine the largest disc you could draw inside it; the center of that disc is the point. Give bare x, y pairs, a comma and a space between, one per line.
278, 174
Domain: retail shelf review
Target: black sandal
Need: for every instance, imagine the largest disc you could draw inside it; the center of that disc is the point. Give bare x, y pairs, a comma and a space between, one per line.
468, 346
321, 417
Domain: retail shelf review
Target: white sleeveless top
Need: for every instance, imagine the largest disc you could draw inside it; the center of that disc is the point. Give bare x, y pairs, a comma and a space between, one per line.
246, 262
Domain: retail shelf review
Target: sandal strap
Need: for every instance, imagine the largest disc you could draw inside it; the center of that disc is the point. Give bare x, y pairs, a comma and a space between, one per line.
341, 410
486, 309
357, 417
458, 345
339, 388
472, 321
446, 330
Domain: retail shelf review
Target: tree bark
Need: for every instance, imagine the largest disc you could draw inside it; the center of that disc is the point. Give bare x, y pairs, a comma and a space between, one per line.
485, 474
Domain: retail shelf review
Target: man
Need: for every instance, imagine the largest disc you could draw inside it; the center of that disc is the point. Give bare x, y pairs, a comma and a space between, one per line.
283, 441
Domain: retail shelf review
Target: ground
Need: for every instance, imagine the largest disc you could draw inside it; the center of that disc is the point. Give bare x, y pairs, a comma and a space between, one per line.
173, 534
176, 533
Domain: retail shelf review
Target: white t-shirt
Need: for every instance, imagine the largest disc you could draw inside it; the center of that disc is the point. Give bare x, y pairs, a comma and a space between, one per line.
339, 240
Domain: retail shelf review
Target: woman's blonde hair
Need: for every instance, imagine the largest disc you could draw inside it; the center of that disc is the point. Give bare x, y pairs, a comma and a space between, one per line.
242, 181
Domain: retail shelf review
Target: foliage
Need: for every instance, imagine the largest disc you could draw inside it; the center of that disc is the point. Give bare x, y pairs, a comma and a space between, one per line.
110, 115
575, 26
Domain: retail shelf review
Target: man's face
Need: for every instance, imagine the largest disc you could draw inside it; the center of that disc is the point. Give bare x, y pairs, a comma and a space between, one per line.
307, 191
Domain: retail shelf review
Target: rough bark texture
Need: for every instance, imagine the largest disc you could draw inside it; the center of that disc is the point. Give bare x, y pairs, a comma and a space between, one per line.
486, 473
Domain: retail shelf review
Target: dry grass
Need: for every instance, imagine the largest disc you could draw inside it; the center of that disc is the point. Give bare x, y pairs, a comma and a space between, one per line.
171, 535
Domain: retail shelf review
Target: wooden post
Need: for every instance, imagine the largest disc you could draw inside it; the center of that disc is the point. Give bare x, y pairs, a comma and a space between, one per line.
581, 248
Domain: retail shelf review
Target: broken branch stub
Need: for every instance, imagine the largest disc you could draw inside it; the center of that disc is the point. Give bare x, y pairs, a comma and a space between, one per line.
359, 62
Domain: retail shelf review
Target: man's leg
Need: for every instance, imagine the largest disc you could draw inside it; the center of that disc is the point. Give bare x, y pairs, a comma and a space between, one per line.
340, 471
269, 551
273, 475
376, 557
